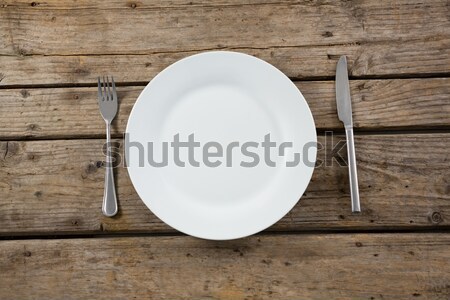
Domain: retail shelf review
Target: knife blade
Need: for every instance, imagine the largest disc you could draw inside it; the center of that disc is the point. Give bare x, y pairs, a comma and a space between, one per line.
343, 100
344, 108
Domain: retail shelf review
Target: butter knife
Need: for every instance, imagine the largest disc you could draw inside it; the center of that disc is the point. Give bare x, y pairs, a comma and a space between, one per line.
344, 108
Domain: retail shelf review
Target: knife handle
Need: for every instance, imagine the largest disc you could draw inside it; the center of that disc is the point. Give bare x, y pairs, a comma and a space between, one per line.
354, 191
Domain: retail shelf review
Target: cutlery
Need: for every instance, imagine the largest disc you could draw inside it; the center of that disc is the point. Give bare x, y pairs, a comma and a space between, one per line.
107, 101
344, 108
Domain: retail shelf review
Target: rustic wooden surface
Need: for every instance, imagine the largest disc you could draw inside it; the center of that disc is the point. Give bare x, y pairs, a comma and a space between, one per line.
74, 42
404, 184
309, 266
393, 104
55, 244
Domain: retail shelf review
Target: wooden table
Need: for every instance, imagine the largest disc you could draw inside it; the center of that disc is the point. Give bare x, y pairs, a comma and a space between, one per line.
57, 245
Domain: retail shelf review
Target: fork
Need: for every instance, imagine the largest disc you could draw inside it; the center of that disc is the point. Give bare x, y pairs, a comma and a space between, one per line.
107, 101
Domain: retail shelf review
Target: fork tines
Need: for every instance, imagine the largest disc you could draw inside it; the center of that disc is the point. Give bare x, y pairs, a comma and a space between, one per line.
106, 94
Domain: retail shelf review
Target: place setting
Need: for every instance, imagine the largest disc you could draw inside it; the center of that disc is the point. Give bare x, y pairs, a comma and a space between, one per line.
221, 145
224, 150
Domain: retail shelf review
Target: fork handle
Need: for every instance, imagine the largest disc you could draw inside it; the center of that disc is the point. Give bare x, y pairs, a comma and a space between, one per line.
109, 207
354, 192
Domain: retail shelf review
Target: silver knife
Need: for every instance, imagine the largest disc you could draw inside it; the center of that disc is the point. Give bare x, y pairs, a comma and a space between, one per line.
344, 108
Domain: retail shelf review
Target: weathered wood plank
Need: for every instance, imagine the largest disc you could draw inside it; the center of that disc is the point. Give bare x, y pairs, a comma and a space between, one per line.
377, 104
405, 58
57, 27
303, 39
57, 186
336, 266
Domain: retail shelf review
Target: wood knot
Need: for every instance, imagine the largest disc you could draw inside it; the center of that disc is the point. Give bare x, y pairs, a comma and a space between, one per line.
34, 4
358, 244
237, 250
91, 168
27, 253
21, 52
38, 194
436, 217
327, 34
32, 127
24, 93
133, 5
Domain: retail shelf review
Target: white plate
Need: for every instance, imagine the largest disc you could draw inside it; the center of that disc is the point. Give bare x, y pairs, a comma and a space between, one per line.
223, 97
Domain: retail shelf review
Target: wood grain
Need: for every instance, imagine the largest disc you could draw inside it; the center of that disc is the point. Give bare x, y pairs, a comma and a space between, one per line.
302, 38
391, 59
377, 104
350, 266
51, 187
111, 28
51, 53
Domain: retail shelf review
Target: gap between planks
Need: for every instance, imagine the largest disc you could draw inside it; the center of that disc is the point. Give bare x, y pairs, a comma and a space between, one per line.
294, 79
269, 232
321, 132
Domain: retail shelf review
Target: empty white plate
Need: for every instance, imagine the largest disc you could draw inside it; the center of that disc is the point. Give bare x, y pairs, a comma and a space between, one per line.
225, 100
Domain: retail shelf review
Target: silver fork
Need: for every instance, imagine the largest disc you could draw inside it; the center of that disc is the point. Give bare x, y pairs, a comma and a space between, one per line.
107, 101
